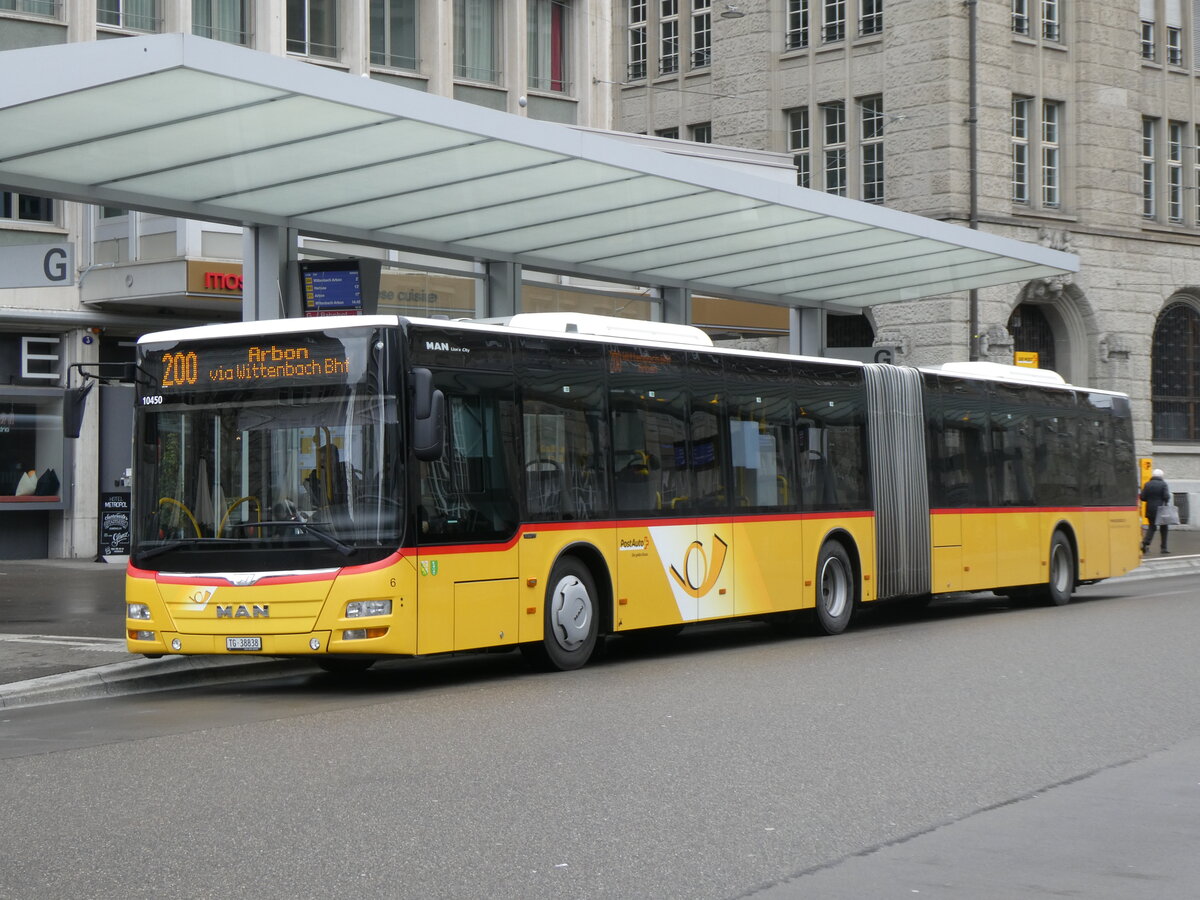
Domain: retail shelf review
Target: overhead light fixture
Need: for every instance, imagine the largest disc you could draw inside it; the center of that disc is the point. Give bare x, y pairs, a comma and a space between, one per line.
731, 12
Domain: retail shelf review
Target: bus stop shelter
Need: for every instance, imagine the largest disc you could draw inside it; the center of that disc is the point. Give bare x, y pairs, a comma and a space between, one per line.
189, 127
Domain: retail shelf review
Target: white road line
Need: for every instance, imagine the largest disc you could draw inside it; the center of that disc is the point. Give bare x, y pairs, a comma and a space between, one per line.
105, 645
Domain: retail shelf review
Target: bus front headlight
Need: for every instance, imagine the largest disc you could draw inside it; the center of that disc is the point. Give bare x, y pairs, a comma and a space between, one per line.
137, 611
357, 609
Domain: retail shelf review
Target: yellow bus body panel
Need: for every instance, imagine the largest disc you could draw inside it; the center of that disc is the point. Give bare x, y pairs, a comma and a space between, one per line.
1011, 548
653, 572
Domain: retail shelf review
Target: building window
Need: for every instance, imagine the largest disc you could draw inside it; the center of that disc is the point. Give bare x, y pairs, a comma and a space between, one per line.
1174, 45
49, 8
549, 45
800, 144
833, 20
394, 34
1175, 171
135, 15
701, 132
672, 133
1196, 171
312, 28
222, 20
1051, 140
1148, 48
637, 39
870, 16
1051, 27
701, 33
1037, 152
26, 208
797, 25
1020, 149
1149, 173
668, 37
871, 116
1175, 374
477, 40
1020, 16
833, 131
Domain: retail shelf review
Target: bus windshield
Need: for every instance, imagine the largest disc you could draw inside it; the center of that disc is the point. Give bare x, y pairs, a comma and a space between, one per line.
267, 477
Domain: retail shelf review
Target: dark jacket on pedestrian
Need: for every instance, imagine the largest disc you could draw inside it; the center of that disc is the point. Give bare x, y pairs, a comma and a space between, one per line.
1154, 494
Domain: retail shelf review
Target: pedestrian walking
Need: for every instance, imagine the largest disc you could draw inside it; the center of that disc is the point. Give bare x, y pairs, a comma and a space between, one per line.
1157, 497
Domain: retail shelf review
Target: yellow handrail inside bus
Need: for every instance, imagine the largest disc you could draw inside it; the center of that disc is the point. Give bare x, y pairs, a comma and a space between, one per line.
187, 512
234, 505
324, 469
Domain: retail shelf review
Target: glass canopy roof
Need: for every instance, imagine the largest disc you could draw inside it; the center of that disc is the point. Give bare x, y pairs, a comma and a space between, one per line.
196, 128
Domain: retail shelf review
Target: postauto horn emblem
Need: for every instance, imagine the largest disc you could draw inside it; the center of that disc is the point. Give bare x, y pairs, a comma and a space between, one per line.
708, 571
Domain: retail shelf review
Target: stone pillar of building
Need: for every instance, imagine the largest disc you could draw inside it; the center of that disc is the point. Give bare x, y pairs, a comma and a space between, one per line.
677, 305
806, 331
75, 535
503, 289
270, 286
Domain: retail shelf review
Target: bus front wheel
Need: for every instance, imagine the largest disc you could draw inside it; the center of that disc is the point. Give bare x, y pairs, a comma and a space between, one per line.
1061, 583
835, 589
571, 618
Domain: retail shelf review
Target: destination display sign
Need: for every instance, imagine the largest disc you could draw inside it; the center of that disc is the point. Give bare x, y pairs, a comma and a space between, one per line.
284, 361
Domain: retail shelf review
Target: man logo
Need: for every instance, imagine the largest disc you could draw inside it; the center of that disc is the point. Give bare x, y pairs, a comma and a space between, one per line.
437, 345
241, 612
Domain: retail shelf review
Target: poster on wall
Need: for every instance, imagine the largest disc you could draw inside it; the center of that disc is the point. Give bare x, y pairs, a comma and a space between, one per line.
114, 525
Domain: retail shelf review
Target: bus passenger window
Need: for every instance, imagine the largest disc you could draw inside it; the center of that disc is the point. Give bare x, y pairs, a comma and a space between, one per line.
468, 493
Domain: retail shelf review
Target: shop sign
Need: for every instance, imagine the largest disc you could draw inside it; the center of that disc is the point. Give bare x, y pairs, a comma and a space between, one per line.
221, 279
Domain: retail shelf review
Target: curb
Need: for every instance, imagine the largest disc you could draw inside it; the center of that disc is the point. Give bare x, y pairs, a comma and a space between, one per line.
1161, 567
140, 676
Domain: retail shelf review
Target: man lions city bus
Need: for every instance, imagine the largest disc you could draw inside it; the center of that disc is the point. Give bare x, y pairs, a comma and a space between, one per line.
351, 489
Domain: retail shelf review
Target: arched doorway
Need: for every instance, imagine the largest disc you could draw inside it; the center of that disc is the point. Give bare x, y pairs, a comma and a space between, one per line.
1032, 332
1175, 373
848, 331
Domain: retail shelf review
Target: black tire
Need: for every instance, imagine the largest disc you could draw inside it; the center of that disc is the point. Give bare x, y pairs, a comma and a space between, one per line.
837, 589
570, 619
1062, 574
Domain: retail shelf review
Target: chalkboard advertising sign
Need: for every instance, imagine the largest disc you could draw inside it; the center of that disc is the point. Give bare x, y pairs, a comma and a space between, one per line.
114, 523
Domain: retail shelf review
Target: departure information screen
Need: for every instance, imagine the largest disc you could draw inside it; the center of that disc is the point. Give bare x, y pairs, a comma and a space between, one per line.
290, 360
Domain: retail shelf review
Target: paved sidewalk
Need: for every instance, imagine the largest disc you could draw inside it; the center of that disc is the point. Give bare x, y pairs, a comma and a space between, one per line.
61, 627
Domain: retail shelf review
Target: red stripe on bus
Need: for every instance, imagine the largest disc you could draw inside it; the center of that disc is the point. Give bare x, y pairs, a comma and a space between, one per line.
1008, 510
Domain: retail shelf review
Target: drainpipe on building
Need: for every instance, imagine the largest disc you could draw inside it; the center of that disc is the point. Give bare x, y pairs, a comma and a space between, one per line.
973, 161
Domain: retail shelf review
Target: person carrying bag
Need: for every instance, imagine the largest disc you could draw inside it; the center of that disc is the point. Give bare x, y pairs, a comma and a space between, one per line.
1160, 510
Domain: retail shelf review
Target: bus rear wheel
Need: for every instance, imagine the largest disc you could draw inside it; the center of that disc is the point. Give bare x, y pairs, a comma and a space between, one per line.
836, 595
570, 619
1061, 583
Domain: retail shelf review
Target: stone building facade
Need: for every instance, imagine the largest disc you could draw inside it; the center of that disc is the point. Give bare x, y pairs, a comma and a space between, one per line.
1083, 121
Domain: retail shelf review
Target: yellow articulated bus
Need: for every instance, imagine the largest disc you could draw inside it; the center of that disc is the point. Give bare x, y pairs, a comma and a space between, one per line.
355, 488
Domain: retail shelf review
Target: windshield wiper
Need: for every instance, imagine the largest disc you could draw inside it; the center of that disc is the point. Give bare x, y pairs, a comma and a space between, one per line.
323, 536
174, 545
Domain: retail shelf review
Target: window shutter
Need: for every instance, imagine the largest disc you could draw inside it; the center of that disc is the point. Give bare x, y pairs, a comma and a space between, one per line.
1174, 13
1147, 8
